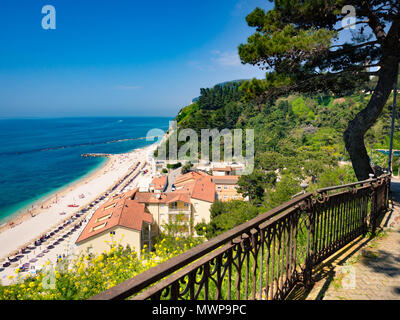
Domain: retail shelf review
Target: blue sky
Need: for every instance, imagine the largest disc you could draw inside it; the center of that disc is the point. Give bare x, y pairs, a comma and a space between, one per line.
119, 57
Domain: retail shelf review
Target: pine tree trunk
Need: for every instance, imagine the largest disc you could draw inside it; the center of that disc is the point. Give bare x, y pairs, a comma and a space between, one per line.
354, 134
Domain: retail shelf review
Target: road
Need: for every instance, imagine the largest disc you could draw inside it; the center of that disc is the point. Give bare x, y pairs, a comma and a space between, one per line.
172, 177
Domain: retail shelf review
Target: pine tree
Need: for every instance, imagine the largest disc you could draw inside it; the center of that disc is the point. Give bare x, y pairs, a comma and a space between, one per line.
299, 43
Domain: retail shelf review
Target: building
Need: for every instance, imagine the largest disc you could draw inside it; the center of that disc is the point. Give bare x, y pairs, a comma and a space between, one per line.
159, 184
189, 177
233, 169
226, 188
121, 220
158, 165
193, 197
164, 207
225, 171
202, 196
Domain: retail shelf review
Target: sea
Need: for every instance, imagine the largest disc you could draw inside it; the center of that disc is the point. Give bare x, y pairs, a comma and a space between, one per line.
40, 156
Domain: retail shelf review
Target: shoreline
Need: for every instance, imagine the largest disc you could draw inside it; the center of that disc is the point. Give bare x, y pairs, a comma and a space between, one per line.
31, 210
25, 227
35, 204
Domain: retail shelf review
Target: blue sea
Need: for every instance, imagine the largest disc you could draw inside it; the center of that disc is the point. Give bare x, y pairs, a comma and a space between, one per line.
40, 156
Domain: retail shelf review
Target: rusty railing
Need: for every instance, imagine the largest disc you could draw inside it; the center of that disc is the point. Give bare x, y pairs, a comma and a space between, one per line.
267, 256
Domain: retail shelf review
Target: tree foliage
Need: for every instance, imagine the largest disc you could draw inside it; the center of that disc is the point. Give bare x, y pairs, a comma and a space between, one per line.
300, 44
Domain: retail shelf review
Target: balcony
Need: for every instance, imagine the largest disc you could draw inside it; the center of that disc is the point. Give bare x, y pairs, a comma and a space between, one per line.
177, 211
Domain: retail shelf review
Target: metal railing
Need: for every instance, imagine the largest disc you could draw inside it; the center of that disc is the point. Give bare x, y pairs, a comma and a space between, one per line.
267, 256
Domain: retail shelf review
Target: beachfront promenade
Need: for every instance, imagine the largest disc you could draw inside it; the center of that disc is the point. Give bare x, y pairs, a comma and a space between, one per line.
123, 172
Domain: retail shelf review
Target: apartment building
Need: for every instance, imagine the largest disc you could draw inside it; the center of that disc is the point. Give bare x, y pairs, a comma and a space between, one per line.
193, 197
121, 220
226, 188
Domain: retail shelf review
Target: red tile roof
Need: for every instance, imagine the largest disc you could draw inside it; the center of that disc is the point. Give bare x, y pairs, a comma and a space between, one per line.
159, 183
201, 189
204, 189
228, 169
190, 176
168, 197
196, 185
225, 179
124, 212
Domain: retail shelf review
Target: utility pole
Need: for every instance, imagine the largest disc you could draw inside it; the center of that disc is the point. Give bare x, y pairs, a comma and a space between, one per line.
393, 117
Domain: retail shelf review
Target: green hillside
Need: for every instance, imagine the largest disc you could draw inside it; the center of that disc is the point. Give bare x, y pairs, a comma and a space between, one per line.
297, 138
287, 125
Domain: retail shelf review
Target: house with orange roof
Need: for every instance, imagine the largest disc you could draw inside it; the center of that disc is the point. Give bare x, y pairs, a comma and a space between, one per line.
165, 207
233, 169
121, 220
225, 171
192, 199
226, 188
158, 184
187, 178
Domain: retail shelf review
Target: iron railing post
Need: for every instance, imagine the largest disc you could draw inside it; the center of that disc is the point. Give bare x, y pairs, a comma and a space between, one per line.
310, 254
374, 205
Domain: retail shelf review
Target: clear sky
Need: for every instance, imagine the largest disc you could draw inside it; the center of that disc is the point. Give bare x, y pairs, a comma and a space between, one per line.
118, 57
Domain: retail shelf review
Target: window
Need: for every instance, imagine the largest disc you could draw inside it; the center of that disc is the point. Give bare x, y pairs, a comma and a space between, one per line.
225, 197
99, 227
108, 216
173, 205
112, 233
110, 206
219, 188
225, 187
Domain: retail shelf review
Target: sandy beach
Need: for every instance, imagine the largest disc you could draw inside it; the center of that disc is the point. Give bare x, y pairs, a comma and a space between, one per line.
121, 172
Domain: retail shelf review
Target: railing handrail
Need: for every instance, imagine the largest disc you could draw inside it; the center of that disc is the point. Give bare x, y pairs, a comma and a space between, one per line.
150, 276
170, 272
208, 257
353, 184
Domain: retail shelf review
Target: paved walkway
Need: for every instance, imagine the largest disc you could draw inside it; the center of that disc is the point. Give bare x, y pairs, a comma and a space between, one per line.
365, 269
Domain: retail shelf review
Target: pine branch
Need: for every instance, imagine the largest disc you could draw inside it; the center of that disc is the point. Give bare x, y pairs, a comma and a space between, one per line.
352, 24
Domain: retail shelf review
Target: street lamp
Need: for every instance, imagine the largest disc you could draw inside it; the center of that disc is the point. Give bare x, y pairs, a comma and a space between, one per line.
393, 116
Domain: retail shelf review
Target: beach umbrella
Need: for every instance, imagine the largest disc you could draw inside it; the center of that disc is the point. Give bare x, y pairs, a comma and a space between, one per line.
32, 241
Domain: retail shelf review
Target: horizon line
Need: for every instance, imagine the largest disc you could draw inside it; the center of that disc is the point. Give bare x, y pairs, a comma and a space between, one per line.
75, 117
